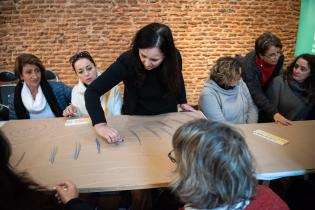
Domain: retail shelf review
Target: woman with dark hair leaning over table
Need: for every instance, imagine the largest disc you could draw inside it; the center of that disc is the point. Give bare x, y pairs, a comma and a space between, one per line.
215, 170
34, 96
260, 67
19, 192
293, 93
152, 74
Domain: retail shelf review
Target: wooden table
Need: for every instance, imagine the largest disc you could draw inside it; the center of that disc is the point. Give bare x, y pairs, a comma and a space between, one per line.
141, 161
275, 161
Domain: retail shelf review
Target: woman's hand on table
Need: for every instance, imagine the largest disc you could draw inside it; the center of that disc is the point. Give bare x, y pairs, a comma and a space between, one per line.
186, 107
66, 191
278, 118
69, 111
110, 134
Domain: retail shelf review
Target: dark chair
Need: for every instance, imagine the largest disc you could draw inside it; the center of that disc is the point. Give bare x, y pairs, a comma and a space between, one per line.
51, 76
4, 112
7, 76
5, 92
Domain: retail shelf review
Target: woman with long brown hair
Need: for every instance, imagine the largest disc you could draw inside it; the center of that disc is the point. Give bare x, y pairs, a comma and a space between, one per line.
152, 75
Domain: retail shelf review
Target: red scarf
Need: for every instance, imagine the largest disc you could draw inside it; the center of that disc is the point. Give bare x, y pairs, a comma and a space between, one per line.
266, 70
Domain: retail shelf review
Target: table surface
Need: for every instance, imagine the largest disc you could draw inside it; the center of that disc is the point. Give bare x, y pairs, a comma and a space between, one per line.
141, 161
274, 160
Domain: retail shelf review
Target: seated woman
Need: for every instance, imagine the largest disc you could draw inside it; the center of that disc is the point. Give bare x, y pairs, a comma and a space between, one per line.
19, 192
293, 94
34, 97
85, 68
214, 169
225, 96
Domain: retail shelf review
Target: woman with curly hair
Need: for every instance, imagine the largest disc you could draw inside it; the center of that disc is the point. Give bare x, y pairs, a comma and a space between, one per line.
225, 96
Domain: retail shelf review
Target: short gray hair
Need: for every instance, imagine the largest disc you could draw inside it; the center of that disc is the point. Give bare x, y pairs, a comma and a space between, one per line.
214, 165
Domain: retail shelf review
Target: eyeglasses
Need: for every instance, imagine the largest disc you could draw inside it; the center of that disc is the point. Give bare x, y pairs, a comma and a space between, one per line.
75, 57
274, 55
303, 68
171, 156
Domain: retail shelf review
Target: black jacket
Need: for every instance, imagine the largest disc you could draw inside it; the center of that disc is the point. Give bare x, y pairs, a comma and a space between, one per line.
77, 204
252, 76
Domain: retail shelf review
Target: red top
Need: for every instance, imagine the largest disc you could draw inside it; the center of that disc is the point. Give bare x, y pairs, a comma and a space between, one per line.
264, 199
266, 70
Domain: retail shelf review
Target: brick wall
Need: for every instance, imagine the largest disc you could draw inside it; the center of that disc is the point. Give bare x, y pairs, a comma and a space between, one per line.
203, 30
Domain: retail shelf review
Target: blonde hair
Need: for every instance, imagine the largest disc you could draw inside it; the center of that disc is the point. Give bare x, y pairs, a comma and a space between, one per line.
226, 70
214, 165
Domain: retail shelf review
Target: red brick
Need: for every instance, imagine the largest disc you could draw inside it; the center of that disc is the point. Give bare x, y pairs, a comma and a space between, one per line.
203, 31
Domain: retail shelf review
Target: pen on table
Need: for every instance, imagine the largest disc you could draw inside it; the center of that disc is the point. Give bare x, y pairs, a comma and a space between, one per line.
98, 146
53, 155
120, 141
77, 150
20, 160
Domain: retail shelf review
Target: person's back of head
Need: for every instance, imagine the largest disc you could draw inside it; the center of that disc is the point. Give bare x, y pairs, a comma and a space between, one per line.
17, 191
214, 165
226, 70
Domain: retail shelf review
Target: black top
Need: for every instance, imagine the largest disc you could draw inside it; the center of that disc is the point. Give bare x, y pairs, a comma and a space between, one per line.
150, 99
77, 204
252, 77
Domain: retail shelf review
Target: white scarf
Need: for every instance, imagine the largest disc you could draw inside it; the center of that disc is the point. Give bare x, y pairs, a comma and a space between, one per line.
30, 104
238, 206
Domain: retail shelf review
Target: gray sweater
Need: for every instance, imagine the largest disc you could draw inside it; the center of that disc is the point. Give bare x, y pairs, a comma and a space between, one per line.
233, 105
287, 96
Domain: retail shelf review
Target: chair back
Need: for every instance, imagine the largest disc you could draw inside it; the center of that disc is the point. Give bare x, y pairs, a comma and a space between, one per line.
4, 112
51, 76
7, 76
5, 92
